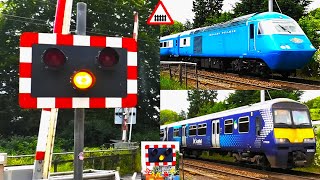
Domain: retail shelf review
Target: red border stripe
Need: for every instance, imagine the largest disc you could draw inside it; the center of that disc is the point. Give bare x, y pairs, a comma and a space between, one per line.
130, 101
132, 72
65, 39
27, 39
97, 102
26, 101
63, 102
130, 44
40, 155
25, 70
58, 22
98, 41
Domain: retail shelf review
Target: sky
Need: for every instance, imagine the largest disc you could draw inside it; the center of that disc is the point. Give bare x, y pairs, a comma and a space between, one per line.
176, 100
181, 10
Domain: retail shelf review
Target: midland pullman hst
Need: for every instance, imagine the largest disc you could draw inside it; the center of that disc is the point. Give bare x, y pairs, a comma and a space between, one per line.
258, 43
276, 133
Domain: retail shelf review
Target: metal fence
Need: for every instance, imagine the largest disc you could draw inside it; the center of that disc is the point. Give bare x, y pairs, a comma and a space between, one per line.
124, 160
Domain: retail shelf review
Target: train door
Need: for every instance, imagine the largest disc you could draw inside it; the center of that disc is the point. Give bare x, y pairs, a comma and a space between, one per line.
252, 38
215, 133
176, 45
183, 136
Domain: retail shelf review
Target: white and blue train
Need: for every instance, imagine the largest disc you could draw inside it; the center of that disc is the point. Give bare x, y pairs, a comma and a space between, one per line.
276, 133
259, 43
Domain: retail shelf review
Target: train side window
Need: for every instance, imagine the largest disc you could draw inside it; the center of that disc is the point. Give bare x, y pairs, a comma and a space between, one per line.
218, 128
161, 44
184, 41
244, 124
228, 126
192, 130
176, 132
165, 44
202, 129
161, 134
251, 31
258, 126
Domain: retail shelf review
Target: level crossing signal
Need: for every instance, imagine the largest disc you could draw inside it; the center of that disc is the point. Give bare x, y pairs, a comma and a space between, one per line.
73, 71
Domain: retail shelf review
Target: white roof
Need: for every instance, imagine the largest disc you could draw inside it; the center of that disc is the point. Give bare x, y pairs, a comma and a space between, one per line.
248, 108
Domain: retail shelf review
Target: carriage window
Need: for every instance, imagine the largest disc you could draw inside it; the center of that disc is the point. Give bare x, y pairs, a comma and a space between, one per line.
244, 124
192, 130
176, 132
251, 31
161, 44
218, 128
258, 125
184, 41
202, 129
161, 134
228, 126
165, 44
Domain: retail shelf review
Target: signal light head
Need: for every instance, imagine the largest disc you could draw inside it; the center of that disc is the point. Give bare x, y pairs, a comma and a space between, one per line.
83, 79
161, 157
107, 58
168, 151
154, 152
54, 58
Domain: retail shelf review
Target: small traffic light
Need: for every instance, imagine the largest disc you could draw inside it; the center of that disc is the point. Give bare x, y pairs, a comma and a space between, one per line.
160, 155
83, 80
74, 71
54, 58
107, 58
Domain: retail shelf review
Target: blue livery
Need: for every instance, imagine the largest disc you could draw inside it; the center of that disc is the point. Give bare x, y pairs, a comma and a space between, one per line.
261, 42
276, 133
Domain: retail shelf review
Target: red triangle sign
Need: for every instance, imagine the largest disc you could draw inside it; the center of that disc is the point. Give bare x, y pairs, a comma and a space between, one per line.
160, 16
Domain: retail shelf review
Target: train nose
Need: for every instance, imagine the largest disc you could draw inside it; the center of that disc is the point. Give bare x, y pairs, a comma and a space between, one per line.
290, 59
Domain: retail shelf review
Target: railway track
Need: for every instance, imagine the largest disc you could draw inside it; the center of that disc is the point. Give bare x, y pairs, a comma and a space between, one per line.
220, 170
222, 80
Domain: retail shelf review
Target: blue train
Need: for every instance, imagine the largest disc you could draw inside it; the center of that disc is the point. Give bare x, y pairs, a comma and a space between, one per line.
276, 133
259, 43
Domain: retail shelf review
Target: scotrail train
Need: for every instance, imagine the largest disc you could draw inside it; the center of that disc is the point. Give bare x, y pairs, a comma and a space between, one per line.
276, 133
258, 43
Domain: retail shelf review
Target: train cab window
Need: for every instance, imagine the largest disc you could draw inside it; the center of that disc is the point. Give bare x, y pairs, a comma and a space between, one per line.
258, 126
176, 132
251, 31
282, 117
243, 124
202, 129
192, 130
300, 117
228, 126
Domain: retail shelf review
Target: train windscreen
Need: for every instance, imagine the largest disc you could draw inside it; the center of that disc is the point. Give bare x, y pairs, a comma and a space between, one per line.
280, 27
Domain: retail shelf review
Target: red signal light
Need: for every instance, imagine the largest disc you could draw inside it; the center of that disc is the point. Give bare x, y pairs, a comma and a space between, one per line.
107, 58
54, 58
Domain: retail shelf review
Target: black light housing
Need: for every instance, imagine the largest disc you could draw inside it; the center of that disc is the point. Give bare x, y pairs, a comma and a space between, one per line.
54, 58
107, 58
154, 152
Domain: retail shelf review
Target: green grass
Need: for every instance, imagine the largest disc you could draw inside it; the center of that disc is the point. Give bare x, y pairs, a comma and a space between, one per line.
171, 84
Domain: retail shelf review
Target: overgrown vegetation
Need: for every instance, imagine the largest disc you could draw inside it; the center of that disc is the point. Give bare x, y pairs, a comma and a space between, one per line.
167, 83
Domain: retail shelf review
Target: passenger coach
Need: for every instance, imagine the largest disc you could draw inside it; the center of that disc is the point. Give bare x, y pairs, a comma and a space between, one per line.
276, 133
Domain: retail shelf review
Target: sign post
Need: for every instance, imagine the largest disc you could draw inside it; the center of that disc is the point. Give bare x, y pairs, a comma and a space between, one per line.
79, 113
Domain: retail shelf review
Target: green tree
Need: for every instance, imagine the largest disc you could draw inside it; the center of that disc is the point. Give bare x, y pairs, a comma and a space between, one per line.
216, 107
105, 19
204, 9
223, 17
188, 25
243, 98
293, 8
314, 107
168, 116
183, 115
311, 26
198, 99
172, 29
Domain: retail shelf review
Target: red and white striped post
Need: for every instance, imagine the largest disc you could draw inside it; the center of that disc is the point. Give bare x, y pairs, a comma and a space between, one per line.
135, 25
124, 125
48, 120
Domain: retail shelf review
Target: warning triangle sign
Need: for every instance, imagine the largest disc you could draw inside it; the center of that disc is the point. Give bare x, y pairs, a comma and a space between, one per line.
160, 16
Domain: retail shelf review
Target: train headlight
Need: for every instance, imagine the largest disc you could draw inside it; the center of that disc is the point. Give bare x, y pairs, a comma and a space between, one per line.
309, 140
282, 140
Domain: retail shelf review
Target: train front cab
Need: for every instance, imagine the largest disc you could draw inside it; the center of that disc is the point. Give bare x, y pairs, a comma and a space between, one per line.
294, 140
279, 41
